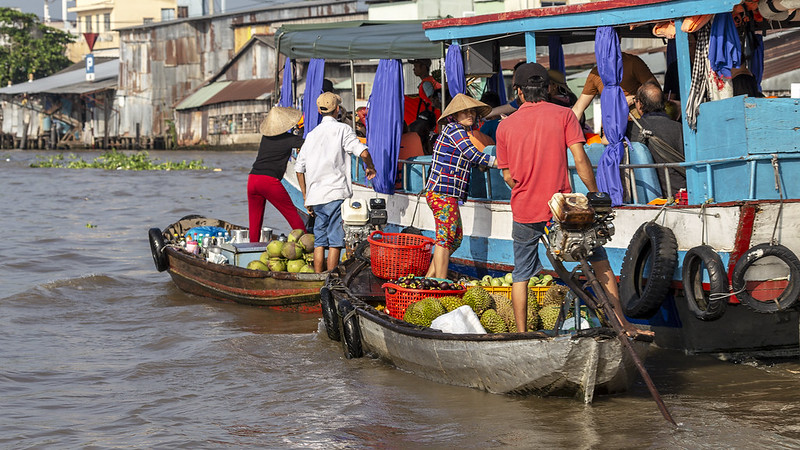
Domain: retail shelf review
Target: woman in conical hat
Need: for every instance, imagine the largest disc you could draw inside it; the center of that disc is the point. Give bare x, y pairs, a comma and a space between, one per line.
454, 154
264, 181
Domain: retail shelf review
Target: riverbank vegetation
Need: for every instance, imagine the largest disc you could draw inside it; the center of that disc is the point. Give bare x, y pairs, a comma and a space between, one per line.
114, 160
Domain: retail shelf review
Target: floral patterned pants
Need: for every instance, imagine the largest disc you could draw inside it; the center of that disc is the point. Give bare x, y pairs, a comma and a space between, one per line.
448, 220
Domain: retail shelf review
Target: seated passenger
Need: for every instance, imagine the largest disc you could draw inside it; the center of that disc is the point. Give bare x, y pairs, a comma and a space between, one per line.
489, 126
560, 93
662, 135
744, 83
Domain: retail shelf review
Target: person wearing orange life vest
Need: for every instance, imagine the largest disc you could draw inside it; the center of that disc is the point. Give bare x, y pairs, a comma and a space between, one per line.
429, 88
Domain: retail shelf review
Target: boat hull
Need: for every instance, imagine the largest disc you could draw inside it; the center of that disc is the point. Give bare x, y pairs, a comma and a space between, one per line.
581, 365
249, 287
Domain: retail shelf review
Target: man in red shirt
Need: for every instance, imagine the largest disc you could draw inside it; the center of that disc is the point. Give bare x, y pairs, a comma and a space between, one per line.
531, 151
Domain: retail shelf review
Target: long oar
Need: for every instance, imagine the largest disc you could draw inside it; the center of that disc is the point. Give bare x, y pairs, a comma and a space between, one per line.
600, 301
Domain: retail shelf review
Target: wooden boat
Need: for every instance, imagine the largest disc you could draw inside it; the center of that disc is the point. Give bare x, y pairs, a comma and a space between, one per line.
741, 146
192, 273
582, 364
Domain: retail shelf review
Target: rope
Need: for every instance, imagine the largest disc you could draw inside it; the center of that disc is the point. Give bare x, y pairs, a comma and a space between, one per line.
721, 295
349, 315
703, 218
777, 170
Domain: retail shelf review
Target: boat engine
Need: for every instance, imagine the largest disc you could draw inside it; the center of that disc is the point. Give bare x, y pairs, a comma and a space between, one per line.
360, 219
581, 223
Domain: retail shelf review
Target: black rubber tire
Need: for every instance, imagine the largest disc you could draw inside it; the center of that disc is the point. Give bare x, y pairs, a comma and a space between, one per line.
157, 249
657, 246
705, 306
351, 333
788, 297
329, 315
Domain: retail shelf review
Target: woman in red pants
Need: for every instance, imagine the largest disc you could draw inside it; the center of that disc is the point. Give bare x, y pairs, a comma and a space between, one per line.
264, 181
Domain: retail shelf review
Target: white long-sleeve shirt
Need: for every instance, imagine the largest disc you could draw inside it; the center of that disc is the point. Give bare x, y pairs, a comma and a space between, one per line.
325, 161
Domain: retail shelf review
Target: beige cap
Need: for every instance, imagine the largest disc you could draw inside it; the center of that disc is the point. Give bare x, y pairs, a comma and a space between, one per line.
328, 101
279, 120
463, 102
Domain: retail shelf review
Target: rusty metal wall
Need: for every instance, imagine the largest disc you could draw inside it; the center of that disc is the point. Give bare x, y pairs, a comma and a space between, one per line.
162, 63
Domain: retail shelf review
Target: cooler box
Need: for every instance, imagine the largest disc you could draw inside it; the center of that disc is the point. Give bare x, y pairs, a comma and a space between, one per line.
241, 253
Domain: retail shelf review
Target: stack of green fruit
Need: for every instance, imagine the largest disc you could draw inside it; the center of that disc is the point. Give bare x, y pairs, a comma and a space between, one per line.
296, 255
424, 311
506, 281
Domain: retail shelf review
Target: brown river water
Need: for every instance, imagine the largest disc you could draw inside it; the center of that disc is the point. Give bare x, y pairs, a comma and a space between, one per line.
99, 350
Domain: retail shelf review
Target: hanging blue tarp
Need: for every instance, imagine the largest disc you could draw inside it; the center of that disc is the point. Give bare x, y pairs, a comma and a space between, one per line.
497, 83
757, 61
454, 68
287, 97
614, 112
314, 77
724, 46
556, 54
385, 124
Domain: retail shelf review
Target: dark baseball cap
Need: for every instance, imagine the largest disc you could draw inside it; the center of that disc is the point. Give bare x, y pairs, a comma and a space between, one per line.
531, 74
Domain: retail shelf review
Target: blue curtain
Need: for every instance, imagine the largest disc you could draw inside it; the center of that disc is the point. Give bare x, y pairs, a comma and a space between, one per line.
556, 54
287, 99
314, 77
454, 68
385, 124
724, 46
498, 84
614, 112
757, 61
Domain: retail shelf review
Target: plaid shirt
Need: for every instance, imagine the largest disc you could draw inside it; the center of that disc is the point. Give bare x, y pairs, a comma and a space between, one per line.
453, 157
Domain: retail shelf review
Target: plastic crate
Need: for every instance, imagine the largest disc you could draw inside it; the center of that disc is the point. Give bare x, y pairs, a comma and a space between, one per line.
398, 298
395, 255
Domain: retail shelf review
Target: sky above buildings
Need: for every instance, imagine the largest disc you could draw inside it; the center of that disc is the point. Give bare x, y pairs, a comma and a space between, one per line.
37, 6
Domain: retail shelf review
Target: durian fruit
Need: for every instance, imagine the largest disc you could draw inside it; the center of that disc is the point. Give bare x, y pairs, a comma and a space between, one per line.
533, 301
555, 295
505, 309
492, 322
430, 308
533, 319
478, 299
451, 302
549, 316
413, 314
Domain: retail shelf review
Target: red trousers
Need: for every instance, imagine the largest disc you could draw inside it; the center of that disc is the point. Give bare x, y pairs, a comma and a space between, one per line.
261, 188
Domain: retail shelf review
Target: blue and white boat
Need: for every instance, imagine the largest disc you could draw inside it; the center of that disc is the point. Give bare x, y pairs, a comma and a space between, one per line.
742, 163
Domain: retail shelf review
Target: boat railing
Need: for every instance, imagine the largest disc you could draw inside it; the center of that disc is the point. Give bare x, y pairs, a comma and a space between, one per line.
413, 174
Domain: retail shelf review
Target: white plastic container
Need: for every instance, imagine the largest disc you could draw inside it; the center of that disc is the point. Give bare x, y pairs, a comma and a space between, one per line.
355, 212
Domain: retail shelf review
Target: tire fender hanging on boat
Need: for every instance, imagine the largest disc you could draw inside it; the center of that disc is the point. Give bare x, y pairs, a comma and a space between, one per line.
329, 316
656, 248
157, 249
350, 330
697, 260
790, 294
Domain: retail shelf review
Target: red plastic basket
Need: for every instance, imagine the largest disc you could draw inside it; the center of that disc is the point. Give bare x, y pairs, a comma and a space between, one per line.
398, 298
395, 255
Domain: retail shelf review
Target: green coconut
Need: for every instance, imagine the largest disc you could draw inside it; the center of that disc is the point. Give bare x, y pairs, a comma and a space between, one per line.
307, 269
291, 250
277, 265
295, 235
295, 265
257, 265
274, 248
307, 241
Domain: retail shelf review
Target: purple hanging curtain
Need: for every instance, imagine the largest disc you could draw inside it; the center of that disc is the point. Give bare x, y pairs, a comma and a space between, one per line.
498, 84
556, 54
614, 112
287, 99
757, 61
454, 68
724, 46
385, 124
316, 72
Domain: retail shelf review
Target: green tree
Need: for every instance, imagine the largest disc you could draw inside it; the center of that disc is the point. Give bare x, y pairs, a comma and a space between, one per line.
28, 46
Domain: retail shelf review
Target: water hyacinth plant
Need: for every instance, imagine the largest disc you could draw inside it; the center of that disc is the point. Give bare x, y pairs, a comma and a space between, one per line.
114, 160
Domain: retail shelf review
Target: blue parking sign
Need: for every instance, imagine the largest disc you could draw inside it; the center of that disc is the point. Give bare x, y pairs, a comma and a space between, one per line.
89, 67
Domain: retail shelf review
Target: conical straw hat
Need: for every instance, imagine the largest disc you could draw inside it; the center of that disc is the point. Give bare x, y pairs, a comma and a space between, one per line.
280, 120
463, 102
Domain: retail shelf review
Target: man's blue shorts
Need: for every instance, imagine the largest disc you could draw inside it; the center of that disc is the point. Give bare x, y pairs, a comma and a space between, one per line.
526, 250
328, 230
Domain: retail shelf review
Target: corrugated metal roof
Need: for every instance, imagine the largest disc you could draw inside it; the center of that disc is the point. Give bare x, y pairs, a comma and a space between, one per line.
202, 95
64, 83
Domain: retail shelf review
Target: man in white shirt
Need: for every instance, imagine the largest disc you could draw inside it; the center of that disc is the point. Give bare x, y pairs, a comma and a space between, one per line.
323, 168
